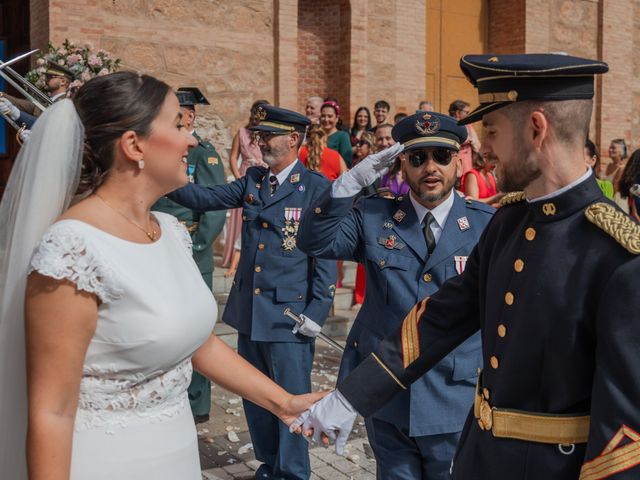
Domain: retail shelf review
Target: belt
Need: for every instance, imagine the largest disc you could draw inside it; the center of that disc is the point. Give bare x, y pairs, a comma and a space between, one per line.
190, 228
529, 426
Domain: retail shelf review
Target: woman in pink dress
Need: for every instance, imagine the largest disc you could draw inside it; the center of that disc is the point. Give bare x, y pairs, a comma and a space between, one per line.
244, 146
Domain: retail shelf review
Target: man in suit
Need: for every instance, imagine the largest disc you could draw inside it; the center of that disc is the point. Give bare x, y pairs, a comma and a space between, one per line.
409, 246
551, 285
204, 168
273, 275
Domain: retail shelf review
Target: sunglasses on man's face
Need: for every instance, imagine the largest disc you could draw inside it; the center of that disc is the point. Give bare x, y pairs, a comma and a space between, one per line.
442, 156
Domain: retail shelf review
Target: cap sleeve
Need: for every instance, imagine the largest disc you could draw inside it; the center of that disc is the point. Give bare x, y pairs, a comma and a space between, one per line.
64, 254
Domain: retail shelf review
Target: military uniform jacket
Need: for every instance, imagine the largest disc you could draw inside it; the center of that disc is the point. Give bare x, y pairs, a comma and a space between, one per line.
273, 273
387, 238
204, 168
551, 285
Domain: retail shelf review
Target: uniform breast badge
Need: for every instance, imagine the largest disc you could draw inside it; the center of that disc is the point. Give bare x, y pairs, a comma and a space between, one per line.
460, 262
212, 160
391, 243
290, 229
463, 223
399, 215
191, 169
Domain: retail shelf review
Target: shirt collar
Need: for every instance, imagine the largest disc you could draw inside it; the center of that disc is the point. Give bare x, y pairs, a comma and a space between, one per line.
282, 176
566, 188
440, 213
57, 96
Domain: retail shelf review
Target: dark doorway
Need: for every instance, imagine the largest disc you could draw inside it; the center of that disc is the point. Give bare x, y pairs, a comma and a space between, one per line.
14, 40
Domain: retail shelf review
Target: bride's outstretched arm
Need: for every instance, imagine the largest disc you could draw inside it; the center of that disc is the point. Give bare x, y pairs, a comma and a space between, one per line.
60, 322
217, 361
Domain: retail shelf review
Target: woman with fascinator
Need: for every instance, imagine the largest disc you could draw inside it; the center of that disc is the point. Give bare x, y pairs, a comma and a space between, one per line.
95, 291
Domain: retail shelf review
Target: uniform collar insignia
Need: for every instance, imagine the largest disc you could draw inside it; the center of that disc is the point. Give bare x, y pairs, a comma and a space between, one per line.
387, 224
295, 178
399, 215
463, 223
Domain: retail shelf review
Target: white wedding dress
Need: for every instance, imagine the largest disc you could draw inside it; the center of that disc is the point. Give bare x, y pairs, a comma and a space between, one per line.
133, 420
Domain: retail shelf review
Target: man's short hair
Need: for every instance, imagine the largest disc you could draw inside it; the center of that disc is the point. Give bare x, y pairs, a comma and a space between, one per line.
568, 119
383, 125
314, 98
382, 104
457, 105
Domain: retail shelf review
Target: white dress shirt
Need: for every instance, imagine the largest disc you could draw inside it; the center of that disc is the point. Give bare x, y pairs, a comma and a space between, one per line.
559, 192
440, 213
284, 174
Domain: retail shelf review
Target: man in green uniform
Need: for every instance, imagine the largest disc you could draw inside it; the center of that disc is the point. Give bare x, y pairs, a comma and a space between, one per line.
205, 168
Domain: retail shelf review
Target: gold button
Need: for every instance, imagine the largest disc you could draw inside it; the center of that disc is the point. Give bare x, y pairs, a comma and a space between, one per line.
258, 269
530, 233
494, 362
299, 297
318, 210
355, 344
485, 393
257, 291
265, 225
518, 265
502, 331
427, 277
261, 246
509, 298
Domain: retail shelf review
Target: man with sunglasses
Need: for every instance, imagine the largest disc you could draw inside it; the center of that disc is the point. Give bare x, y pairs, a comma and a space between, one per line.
551, 285
409, 246
273, 275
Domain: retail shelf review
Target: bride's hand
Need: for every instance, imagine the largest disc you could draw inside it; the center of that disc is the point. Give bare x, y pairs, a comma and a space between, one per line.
296, 404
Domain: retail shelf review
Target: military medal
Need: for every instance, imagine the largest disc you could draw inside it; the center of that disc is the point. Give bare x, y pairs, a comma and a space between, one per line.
295, 178
250, 198
463, 223
460, 262
301, 188
290, 229
399, 216
190, 171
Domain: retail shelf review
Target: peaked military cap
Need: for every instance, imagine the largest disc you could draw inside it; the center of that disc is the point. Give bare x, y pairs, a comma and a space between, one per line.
504, 79
279, 120
189, 96
427, 130
58, 70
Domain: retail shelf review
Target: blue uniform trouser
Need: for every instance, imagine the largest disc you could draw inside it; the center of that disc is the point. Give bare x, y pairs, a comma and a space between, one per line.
286, 456
401, 457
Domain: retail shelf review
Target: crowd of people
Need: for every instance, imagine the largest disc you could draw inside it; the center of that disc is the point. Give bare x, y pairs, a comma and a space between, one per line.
465, 249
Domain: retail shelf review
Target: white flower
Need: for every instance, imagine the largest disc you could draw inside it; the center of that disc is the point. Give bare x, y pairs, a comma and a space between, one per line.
40, 61
85, 76
103, 72
61, 61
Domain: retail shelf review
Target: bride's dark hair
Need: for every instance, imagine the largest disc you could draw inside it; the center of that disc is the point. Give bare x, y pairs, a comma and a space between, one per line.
108, 106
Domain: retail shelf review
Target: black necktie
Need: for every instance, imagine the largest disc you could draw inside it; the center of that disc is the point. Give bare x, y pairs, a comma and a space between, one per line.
273, 184
429, 237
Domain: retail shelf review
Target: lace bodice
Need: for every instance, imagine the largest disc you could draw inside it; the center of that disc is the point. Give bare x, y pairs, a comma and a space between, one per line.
154, 311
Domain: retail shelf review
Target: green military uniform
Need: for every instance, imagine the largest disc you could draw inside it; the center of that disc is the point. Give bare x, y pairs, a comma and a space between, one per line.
204, 168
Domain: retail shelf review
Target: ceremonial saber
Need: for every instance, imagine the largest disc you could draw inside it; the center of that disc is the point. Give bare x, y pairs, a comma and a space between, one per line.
326, 338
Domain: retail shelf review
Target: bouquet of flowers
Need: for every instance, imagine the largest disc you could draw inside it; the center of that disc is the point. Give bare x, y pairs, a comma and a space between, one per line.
84, 63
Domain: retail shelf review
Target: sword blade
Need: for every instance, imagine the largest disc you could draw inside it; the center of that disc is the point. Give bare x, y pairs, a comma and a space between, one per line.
326, 338
16, 59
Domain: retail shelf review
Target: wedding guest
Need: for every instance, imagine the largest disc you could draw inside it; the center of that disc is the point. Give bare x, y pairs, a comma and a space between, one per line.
336, 139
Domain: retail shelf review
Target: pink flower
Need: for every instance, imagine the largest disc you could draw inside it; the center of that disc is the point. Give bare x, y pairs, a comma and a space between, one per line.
40, 61
103, 72
85, 76
94, 61
62, 51
73, 59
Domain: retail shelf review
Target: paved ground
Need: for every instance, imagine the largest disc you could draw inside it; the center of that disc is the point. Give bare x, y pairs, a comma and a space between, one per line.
225, 447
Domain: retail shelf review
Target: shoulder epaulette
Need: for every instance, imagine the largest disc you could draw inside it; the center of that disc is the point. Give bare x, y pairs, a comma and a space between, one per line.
482, 207
511, 198
615, 223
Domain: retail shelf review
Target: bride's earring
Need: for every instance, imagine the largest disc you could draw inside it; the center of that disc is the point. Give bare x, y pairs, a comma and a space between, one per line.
140, 164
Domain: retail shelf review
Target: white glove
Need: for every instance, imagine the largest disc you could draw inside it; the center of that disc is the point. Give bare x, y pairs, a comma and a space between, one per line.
333, 416
9, 109
308, 327
24, 134
365, 172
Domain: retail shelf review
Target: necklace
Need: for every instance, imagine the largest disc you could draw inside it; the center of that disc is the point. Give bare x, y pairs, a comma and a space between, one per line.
153, 234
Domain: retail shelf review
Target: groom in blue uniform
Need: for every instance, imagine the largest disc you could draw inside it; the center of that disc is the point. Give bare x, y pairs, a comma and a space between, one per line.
273, 275
409, 246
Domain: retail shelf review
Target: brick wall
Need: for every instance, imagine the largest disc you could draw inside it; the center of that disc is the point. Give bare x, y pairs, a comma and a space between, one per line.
39, 23
323, 50
507, 26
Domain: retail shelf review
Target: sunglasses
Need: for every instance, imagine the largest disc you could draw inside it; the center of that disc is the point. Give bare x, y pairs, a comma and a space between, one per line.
442, 156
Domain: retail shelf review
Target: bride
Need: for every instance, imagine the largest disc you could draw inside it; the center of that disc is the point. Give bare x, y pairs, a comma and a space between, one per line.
113, 308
